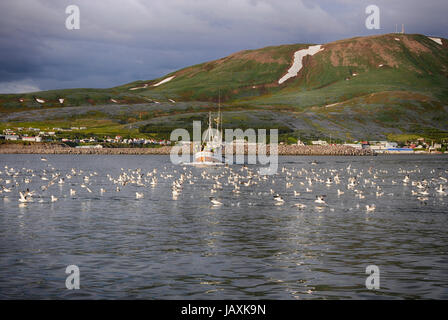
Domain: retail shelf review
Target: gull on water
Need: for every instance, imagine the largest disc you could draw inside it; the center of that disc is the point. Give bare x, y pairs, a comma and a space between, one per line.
25, 197
441, 190
215, 202
320, 199
238, 182
278, 198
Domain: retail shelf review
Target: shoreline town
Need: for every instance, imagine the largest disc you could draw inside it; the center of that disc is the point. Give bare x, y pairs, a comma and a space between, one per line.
286, 150
36, 141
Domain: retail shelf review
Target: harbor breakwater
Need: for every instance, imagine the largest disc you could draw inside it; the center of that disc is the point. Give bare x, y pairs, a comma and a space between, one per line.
290, 150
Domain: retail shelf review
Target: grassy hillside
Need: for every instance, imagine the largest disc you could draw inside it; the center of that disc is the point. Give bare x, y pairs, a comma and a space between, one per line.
364, 87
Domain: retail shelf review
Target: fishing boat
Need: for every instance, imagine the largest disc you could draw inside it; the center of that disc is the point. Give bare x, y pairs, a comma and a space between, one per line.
209, 152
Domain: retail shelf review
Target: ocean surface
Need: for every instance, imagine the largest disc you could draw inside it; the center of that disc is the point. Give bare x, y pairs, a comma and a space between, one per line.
137, 239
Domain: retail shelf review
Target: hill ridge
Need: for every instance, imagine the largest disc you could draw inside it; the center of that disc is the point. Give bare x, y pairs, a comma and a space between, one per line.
383, 84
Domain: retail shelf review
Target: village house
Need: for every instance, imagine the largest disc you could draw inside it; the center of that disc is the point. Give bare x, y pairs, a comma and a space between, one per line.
11, 137
319, 143
32, 139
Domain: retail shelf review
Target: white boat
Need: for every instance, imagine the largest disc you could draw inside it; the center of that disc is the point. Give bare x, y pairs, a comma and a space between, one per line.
209, 153
209, 156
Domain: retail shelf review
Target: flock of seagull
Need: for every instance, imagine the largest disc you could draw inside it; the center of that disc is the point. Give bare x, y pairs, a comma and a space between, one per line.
294, 186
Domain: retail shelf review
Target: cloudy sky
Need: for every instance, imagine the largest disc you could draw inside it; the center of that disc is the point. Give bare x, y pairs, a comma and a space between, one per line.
120, 41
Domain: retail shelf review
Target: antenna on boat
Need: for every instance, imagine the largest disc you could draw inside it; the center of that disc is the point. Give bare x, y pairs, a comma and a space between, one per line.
219, 109
209, 126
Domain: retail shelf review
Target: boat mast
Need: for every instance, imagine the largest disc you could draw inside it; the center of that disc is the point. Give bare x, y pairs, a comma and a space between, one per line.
219, 110
209, 126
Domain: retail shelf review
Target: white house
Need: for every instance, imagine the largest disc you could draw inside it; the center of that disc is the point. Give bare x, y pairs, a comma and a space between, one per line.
33, 139
319, 143
11, 137
98, 146
353, 145
383, 146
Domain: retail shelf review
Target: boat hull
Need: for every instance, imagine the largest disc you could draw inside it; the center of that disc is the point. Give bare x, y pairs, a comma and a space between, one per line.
207, 156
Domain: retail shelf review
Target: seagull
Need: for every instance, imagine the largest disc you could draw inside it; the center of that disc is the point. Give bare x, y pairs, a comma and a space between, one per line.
72, 192
370, 208
139, 195
320, 199
28, 193
420, 185
441, 190
176, 192
86, 187
278, 198
53, 198
340, 192
25, 198
215, 202
423, 199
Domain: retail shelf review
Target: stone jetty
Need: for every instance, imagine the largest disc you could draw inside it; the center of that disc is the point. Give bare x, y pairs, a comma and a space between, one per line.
290, 150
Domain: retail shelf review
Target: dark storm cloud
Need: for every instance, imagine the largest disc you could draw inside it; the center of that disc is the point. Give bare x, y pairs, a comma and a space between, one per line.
123, 41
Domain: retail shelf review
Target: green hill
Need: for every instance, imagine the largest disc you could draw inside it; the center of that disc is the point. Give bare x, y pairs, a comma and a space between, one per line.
360, 88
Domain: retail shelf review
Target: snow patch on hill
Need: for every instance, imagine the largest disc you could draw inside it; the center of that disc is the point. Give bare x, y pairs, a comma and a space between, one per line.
145, 86
163, 81
297, 64
437, 40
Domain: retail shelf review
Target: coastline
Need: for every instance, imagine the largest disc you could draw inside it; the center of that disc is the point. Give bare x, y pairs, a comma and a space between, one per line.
286, 150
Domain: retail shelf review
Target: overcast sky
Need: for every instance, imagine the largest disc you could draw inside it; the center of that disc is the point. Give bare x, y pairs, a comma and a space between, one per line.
120, 41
